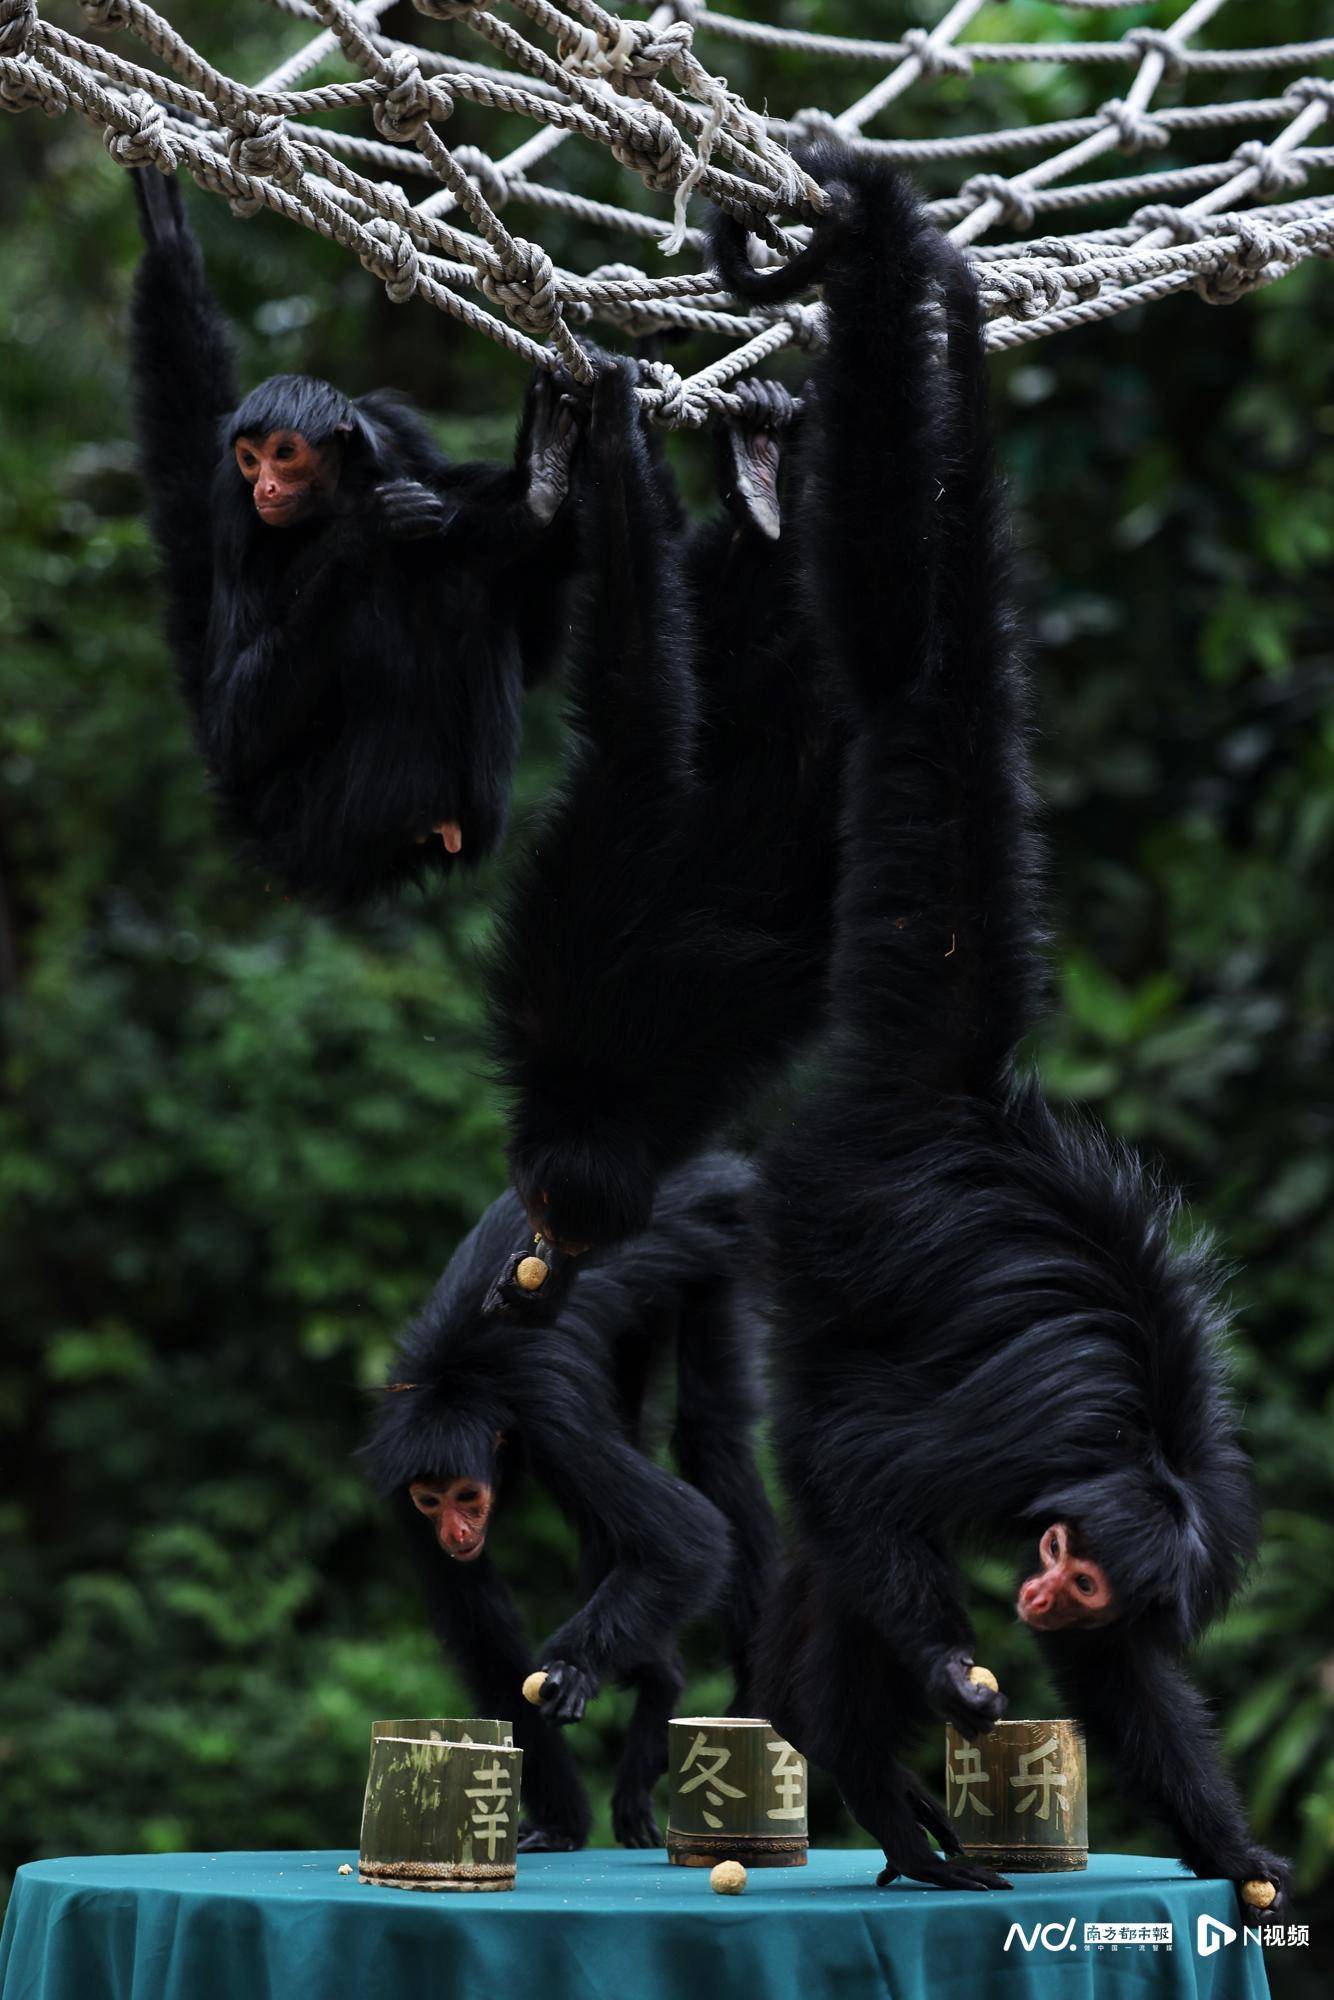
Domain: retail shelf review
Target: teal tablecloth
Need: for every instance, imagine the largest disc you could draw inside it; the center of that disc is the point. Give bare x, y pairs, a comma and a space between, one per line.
597, 1926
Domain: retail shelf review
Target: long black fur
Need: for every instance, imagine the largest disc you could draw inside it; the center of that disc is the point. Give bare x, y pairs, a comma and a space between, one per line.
662, 947
986, 1318
350, 689
567, 1400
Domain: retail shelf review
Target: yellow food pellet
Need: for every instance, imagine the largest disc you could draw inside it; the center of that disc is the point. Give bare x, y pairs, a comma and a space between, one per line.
983, 1677
531, 1274
1258, 1894
728, 1878
533, 1686
345, 1868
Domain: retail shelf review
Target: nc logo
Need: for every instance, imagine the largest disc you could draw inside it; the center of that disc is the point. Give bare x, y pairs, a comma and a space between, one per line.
1211, 1936
1053, 1937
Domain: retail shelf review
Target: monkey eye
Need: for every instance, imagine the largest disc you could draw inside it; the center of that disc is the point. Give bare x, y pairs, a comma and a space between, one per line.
285, 451
428, 1502
1084, 1582
466, 1495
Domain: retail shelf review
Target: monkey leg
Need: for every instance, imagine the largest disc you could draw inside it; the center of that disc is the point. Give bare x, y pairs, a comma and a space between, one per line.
657, 1685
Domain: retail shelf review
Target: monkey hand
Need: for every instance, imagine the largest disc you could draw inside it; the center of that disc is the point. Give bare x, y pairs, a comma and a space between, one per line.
552, 427
1258, 1866
566, 1691
971, 1706
407, 511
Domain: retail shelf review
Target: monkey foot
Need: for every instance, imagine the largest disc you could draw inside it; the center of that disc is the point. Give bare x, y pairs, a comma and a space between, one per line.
534, 1839
633, 1823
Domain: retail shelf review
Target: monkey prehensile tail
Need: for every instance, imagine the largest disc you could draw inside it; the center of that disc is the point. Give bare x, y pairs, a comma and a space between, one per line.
985, 1324
353, 616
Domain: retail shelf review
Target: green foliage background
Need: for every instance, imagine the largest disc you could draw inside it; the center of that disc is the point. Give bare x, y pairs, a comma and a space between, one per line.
237, 1143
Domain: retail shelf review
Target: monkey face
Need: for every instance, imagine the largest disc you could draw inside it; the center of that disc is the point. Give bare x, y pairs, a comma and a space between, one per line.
1070, 1589
459, 1510
287, 474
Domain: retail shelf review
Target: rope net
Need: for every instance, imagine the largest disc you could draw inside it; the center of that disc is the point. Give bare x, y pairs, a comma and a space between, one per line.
1219, 197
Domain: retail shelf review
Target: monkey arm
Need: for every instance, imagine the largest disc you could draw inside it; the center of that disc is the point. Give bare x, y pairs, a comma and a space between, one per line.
591, 915
184, 384
473, 1616
1142, 1710
666, 1552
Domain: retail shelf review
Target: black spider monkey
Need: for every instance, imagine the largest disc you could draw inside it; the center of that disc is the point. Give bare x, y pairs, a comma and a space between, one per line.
482, 1399
353, 616
662, 946
983, 1325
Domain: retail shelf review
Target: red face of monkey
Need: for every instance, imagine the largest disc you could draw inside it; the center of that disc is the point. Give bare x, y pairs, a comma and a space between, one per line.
1068, 1590
288, 474
458, 1510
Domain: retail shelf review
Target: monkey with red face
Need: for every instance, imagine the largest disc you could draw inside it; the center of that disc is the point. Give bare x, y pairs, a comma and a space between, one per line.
988, 1327
354, 617
483, 1401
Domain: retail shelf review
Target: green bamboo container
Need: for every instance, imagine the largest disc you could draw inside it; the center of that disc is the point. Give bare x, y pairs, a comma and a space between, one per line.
1018, 1797
447, 1729
737, 1793
441, 1815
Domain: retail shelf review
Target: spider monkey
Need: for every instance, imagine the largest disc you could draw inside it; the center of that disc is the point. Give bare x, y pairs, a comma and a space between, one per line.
485, 1400
353, 617
984, 1326
662, 946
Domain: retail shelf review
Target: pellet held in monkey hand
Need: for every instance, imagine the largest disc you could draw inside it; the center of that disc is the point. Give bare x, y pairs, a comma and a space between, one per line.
533, 1686
983, 1677
531, 1274
727, 1878
1259, 1895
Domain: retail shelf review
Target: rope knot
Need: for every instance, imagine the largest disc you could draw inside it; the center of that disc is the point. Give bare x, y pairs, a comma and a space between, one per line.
674, 405
935, 58
1025, 294
142, 141
1181, 227
1157, 42
18, 18
1134, 129
489, 179
652, 147
392, 257
266, 152
409, 101
1013, 202
104, 13
1261, 255
1310, 90
1276, 170
807, 324
527, 292
649, 52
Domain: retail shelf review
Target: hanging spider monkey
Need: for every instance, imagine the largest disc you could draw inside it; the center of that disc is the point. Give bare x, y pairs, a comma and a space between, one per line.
662, 946
984, 1325
353, 616
483, 1400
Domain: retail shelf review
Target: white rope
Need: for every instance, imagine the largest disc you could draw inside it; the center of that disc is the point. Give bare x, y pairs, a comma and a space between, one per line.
1221, 220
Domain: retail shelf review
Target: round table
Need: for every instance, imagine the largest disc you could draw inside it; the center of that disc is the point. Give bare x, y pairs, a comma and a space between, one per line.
607, 1926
